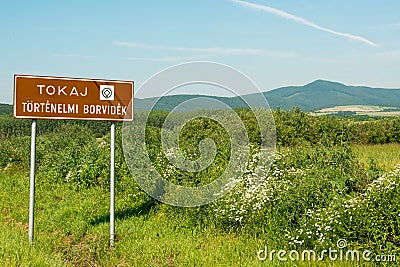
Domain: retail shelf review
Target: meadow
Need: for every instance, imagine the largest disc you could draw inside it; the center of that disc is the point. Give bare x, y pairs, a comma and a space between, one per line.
331, 179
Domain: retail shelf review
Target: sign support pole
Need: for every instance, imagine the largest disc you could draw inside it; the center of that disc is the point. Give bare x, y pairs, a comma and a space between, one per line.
112, 185
32, 183
77, 98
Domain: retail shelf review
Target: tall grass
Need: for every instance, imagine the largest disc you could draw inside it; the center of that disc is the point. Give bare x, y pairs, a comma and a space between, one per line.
72, 230
385, 156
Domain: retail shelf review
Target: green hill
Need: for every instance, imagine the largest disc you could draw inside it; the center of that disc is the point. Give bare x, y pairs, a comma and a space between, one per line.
323, 94
313, 96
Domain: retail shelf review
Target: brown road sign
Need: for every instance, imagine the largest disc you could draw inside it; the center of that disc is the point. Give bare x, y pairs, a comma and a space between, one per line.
40, 97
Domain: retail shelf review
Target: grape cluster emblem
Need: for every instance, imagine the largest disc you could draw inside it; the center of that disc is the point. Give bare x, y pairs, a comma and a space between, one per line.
106, 92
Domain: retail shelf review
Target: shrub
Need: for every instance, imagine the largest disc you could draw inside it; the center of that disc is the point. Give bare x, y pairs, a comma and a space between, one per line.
301, 179
72, 155
369, 219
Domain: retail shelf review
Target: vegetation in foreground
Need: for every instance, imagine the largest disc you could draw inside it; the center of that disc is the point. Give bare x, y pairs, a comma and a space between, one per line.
325, 184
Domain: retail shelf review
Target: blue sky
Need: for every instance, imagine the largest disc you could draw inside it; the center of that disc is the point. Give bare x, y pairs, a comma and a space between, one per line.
275, 43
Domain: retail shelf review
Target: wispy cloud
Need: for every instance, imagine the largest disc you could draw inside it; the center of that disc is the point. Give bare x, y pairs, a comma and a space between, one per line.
73, 56
384, 27
210, 51
306, 22
135, 45
393, 26
393, 54
165, 59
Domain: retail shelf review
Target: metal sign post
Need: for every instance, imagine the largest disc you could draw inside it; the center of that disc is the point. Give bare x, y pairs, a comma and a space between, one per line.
32, 183
112, 184
61, 98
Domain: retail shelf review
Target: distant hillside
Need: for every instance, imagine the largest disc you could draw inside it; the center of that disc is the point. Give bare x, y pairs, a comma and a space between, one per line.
5, 109
323, 94
313, 96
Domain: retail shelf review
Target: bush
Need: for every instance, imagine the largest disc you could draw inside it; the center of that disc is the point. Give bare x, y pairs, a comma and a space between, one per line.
301, 179
14, 152
72, 155
368, 220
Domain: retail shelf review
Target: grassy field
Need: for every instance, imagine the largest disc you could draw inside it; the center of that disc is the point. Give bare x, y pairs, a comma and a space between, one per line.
386, 156
72, 228
373, 111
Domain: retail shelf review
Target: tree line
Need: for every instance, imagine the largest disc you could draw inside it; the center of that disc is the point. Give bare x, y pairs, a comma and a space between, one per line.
293, 127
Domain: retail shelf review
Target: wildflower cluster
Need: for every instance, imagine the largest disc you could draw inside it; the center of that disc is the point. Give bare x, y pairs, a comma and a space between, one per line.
260, 186
370, 218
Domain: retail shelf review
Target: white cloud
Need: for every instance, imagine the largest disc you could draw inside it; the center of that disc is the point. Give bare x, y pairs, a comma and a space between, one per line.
135, 45
73, 56
385, 27
165, 59
308, 23
394, 26
211, 51
393, 54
